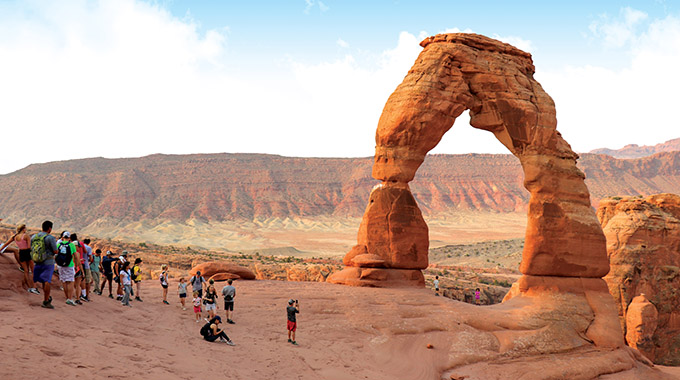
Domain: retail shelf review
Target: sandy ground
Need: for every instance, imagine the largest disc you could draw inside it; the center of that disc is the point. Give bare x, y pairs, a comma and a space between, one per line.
344, 333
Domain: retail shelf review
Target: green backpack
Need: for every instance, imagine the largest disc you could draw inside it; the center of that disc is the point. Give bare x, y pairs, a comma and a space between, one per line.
38, 249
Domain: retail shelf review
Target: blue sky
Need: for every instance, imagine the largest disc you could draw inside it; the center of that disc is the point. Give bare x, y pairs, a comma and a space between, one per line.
310, 78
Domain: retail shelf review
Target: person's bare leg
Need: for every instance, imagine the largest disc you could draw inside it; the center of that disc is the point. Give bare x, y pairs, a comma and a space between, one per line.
28, 280
46, 291
139, 290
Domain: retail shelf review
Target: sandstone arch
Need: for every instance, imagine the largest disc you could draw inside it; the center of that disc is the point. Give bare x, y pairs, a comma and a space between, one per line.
455, 72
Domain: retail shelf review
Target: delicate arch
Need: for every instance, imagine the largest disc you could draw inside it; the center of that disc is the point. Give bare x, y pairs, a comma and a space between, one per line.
455, 72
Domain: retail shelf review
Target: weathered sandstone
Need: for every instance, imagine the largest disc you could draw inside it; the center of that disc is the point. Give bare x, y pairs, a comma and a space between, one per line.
454, 73
225, 270
643, 243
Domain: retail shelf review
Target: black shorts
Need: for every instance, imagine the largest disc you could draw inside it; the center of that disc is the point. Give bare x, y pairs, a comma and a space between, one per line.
164, 286
79, 274
229, 305
25, 255
109, 276
182, 295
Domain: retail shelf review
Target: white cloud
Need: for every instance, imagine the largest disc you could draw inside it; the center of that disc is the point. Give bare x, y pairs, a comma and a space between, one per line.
518, 42
342, 43
601, 107
619, 31
309, 5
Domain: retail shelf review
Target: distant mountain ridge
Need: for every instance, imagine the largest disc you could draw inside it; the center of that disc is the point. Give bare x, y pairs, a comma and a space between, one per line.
228, 187
636, 151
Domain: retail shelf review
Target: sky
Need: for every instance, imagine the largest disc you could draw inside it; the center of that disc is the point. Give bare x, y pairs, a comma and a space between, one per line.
128, 78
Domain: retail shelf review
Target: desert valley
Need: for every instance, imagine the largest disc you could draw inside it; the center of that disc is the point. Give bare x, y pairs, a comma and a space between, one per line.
547, 264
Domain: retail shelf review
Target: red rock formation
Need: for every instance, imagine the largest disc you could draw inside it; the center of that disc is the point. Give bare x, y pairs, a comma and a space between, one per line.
641, 321
643, 243
229, 270
636, 151
455, 72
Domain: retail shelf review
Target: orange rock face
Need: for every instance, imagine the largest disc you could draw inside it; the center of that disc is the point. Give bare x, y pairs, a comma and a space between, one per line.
223, 271
643, 243
454, 73
641, 321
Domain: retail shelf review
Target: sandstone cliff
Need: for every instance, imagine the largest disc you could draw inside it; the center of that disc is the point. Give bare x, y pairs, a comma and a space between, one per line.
636, 151
643, 243
217, 187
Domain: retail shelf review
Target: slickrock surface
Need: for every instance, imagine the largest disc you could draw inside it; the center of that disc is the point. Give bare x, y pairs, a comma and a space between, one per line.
643, 243
344, 333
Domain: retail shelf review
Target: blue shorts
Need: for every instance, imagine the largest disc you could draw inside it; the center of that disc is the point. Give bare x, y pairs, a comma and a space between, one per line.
43, 273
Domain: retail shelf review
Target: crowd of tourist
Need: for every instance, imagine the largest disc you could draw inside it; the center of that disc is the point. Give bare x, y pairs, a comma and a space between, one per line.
82, 272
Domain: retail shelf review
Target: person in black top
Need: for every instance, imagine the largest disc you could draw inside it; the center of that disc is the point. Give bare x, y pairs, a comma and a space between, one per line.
107, 272
292, 322
210, 301
211, 332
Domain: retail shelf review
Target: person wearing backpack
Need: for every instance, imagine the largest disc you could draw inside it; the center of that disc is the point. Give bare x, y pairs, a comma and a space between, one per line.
229, 293
107, 272
163, 278
66, 259
211, 331
197, 282
43, 251
79, 277
117, 266
137, 278
23, 241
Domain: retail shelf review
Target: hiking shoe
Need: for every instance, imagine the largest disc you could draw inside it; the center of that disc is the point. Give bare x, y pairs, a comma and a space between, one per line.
33, 290
111, 296
78, 302
294, 343
166, 302
138, 299
230, 321
70, 302
47, 305
84, 298
290, 340
231, 343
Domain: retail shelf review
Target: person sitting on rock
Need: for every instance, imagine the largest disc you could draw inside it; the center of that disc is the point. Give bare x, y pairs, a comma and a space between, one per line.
211, 331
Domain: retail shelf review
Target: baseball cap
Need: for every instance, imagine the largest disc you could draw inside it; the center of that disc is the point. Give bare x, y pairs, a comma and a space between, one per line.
109, 253
66, 234
291, 301
125, 253
217, 318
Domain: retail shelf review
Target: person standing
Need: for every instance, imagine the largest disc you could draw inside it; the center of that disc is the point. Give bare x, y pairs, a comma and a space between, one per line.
478, 297
95, 264
137, 278
210, 301
23, 241
182, 291
229, 293
87, 261
436, 285
66, 265
107, 272
292, 321
43, 250
117, 266
197, 282
126, 281
163, 277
